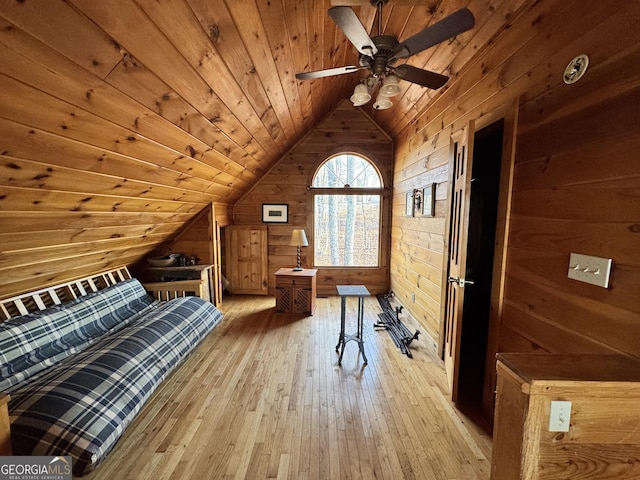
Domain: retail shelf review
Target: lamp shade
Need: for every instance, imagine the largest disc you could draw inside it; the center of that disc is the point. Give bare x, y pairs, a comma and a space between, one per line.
390, 86
360, 95
299, 238
382, 102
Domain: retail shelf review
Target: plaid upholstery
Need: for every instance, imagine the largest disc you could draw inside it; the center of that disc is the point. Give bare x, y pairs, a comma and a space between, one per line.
82, 406
33, 342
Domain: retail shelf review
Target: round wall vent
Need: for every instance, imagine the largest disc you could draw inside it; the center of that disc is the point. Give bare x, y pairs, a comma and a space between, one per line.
575, 70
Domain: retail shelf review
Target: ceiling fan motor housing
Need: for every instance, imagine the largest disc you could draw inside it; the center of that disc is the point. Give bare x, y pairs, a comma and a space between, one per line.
384, 58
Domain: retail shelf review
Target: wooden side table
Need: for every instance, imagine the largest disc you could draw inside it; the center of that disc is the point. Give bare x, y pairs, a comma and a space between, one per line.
345, 291
296, 290
5, 427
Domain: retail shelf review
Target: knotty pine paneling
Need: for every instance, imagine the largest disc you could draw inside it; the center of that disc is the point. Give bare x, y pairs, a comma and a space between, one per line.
549, 336
511, 341
591, 315
37, 64
417, 242
94, 173
135, 30
414, 101
196, 238
576, 178
580, 201
346, 129
120, 121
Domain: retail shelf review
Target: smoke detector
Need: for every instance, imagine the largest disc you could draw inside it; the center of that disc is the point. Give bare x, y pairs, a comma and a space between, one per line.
575, 70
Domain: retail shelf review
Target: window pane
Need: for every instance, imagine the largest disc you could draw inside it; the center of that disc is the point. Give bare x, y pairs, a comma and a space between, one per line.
346, 232
347, 170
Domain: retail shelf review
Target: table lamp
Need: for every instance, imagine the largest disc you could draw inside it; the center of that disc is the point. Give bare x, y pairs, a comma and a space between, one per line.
298, 239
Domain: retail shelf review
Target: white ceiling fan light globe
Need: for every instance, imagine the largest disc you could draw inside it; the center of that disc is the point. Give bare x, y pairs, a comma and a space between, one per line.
361, 95
390, 86
382, 102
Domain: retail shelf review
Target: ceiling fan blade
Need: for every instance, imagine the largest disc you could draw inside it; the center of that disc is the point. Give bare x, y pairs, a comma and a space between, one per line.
421, 77
346, 19
327, 73
455, 24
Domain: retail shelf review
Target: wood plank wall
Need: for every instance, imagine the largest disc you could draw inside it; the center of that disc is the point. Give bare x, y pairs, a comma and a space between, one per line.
346, 129
576, 179
100, 160
192, 239
576, 189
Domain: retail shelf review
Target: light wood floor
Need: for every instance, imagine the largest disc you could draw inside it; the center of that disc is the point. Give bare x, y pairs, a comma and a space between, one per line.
263, 397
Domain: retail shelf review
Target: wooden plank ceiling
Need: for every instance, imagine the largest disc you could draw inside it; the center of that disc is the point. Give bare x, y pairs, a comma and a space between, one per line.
152, 109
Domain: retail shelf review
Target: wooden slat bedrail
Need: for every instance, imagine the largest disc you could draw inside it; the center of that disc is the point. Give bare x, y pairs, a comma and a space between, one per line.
164, 291
50, 296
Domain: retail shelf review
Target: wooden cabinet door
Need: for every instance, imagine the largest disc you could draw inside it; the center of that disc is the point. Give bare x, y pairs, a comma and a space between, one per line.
247, 259
301, 300
284, 299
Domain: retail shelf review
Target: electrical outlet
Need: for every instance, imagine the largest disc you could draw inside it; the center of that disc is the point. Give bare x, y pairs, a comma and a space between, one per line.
559, 416
588, 269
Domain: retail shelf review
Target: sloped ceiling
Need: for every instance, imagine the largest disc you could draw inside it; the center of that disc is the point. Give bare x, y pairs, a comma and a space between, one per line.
121, 119
214, 80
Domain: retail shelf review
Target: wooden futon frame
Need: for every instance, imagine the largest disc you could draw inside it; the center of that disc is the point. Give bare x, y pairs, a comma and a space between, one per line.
48, 297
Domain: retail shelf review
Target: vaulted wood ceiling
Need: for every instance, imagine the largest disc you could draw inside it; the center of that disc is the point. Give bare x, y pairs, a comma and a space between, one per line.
211, 79
121, 119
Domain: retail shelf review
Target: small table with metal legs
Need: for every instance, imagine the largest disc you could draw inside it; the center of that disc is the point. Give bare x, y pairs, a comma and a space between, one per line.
345, 291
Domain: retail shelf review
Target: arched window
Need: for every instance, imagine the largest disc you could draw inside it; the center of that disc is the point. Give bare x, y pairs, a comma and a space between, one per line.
347, 191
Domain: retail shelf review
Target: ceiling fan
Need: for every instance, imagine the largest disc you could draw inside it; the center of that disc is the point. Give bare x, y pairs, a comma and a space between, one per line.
380, 53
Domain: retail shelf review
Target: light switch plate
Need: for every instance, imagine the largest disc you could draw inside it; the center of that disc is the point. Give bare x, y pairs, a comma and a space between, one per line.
588, 269
559, 416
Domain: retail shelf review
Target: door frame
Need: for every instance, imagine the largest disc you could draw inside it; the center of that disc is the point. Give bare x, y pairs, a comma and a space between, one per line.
215, 256
509, 112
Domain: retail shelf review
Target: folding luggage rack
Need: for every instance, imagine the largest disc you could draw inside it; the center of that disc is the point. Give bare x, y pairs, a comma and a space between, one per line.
390, 321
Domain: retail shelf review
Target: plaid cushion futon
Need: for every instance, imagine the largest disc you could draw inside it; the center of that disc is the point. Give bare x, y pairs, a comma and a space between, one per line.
34, 342
82, 405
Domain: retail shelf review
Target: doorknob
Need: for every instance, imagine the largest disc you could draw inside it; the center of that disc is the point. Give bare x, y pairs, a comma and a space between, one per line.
461, 281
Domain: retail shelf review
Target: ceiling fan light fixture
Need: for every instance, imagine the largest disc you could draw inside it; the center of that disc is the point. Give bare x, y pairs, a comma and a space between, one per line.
361, 95
379, 54
390, 86
382, 102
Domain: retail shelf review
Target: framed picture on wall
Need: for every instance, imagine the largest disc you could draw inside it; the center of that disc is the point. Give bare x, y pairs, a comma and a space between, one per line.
429, 201
275, 213
409, 206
